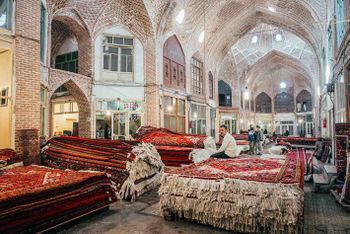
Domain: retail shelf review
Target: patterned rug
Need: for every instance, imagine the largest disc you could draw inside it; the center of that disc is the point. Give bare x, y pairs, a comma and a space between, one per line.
246, 195
288, 170
134, 169
8, 157
35, 198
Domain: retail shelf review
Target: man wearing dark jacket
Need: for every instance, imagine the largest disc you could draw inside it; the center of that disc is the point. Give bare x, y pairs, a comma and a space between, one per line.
259, 139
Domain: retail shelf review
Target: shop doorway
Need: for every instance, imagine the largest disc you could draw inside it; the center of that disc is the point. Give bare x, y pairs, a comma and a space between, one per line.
125, 125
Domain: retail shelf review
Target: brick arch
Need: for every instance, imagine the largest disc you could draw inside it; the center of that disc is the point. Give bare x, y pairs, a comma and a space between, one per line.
263, 103
84, 106
272, 60
305, 97
67, 24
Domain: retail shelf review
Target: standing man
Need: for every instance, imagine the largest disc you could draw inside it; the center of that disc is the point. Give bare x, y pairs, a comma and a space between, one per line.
252, 140
259, 139
228, 147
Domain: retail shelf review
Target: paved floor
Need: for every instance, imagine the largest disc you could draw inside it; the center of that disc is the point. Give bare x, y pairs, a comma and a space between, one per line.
322, 215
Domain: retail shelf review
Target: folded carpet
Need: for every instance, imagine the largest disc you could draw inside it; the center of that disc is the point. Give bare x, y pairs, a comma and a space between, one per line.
247, 195
37, 198
134, 169
9, 158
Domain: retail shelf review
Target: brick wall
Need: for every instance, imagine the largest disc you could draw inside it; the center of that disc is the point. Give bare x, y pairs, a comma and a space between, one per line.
27, 77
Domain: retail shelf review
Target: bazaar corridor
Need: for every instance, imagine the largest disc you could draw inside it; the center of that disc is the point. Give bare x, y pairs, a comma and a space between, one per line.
322, 215
175, 116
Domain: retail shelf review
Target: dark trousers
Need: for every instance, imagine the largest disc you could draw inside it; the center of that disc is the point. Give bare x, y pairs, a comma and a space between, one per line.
220, 155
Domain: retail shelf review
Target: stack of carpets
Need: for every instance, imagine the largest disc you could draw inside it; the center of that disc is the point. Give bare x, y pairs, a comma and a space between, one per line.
342, 131
35, 198
247, 195
174, 148
299, 141
134, 169
9, 159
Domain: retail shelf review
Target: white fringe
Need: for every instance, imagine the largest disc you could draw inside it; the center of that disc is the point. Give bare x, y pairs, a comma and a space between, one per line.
147, 163
237, 205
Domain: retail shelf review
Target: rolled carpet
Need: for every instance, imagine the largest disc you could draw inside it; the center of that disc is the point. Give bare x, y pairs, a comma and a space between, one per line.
246, 195
134, 169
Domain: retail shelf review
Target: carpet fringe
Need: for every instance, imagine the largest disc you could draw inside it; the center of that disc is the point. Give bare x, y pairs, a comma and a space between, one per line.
237, 205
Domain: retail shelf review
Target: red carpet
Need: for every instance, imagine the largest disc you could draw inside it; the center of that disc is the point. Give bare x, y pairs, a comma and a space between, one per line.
35, 198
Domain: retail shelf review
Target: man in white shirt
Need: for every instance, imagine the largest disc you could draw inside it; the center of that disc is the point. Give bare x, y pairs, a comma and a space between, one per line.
228, 148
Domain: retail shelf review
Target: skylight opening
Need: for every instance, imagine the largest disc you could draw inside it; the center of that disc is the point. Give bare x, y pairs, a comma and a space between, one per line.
254, 39
201, 37
180, 17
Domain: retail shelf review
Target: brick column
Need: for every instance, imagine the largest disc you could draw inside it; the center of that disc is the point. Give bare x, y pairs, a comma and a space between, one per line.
27, 75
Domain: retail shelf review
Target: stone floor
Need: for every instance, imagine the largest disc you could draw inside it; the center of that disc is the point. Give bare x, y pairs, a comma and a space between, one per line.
322, 215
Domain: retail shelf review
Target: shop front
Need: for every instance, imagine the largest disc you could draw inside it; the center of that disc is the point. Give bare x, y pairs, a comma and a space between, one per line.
198, 119
117, 119
230, 120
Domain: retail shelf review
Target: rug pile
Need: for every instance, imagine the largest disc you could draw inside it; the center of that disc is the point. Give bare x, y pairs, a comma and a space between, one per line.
36, 198
9, 159
247, 195
133, 169
174, 148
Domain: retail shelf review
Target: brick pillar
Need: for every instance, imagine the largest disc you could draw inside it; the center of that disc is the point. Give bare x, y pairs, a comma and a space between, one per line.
151, 107
27, 75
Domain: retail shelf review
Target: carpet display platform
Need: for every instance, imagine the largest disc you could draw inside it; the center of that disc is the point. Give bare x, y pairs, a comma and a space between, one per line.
9, 159
248, 195
36, 198
134, 169
300, 141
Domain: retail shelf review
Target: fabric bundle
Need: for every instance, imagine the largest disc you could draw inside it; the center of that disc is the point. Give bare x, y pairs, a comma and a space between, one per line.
36, 198
247, 195
9, 159
134, 169
174, 148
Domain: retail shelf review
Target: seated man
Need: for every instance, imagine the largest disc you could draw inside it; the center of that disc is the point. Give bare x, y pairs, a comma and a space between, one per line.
229, 147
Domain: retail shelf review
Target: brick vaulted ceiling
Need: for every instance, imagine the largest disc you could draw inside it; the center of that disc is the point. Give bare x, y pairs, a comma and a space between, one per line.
225, 22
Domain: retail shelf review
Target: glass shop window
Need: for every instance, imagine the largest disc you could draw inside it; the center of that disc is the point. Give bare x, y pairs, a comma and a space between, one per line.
198, 122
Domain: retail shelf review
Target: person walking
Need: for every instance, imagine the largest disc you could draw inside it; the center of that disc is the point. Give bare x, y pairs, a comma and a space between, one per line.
259, 139
252, 140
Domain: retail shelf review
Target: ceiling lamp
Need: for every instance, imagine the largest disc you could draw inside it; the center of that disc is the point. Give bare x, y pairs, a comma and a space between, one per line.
272, 9
246, 94
254, 39
283, 85
180, 17
278, 37
201, 37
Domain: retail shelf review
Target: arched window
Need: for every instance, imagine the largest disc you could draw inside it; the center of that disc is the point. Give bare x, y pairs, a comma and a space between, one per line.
211, 85
263, 103
174, 64
225, 94
304, 101
284, 103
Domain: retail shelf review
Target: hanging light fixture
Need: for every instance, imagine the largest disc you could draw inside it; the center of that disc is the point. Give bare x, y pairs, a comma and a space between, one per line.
246, 94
